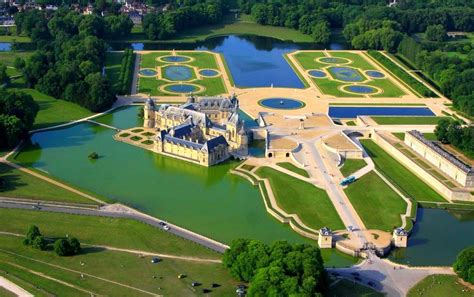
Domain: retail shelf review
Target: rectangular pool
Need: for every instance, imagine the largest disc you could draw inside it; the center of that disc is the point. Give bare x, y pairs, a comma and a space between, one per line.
350, 112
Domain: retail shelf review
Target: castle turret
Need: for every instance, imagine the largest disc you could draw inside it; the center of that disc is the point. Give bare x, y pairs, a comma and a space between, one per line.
400, 237
149, 114
325, 238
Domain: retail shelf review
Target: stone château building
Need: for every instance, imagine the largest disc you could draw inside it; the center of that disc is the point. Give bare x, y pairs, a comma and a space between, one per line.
205, 130
442, 159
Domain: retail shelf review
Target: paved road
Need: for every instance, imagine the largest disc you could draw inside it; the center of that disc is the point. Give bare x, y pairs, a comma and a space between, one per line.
384, 276
14, 288
176, 230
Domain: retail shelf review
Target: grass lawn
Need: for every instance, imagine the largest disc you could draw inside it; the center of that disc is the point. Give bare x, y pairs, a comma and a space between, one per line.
113, 63
244, 25
5, 293
22, 185
377, 204
331, 87
399, 135
312, 205
116, 232
347, 288
375, 104
293, 168
393, 120
14, 38
399, 175
112, 266
202, 60
7, 58
440, 285
351, 123
352, 165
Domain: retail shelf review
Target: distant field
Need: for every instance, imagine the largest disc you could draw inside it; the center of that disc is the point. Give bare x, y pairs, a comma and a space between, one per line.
333, 85
244, 25
202, 60
393, 120
402, 177
376, 203
312, 205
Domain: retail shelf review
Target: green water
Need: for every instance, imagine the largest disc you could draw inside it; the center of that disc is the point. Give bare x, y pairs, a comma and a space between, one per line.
209, 201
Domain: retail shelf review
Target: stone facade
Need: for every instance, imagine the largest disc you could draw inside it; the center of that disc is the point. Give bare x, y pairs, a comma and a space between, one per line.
400, 237
442, 159
325, 238
205, 130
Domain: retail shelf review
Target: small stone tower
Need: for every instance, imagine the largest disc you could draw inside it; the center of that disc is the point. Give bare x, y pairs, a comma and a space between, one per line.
149, 114
400, 237
325, 238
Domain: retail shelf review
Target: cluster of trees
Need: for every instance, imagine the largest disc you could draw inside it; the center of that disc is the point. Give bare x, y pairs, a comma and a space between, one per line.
62, 247
17, 115
165, 25
411, 16
464, 265
126, 71
373, 34
70, 55
453, 132
454, 74
280, 269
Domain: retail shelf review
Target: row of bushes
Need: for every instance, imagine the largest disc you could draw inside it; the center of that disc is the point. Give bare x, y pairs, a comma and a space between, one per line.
126, 71
402, 74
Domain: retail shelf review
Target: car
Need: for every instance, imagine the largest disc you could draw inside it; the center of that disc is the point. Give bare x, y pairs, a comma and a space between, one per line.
161, 224
240, 291
155, 260
349, 228
166, 227
195, 284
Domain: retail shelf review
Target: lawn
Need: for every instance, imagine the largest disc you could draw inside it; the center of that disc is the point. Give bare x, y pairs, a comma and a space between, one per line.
22, 185
347, 288
352, 165
376, 203
393, 120
440, 285
289, 166
244, 25
116, 232
202, 60
7, 58
399, 175
307, 59
114, 273
311, 204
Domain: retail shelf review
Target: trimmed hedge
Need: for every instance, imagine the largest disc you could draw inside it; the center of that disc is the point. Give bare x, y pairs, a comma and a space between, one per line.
402, 74
126, 71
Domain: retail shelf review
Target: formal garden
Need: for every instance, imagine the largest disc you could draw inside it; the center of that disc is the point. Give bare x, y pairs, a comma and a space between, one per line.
170, 73
347, 74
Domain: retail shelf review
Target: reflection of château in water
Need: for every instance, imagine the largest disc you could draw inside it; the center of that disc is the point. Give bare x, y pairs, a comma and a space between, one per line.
205, 130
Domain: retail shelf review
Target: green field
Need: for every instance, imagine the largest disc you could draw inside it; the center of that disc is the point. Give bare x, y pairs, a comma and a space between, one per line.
22, 185
346, 288
202, 60
376, 203
407, 182
312, 205
331, 87
289, 166
112, 273
428, 120
117, 232
352, 165
244, 25
440, 285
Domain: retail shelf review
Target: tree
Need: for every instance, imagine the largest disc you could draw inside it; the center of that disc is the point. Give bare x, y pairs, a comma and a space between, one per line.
435, 33
32, 233
4, 78
464, 264
441, 130
62, 247
11, 130
39, 243
75, 246
19, 63
321, 33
